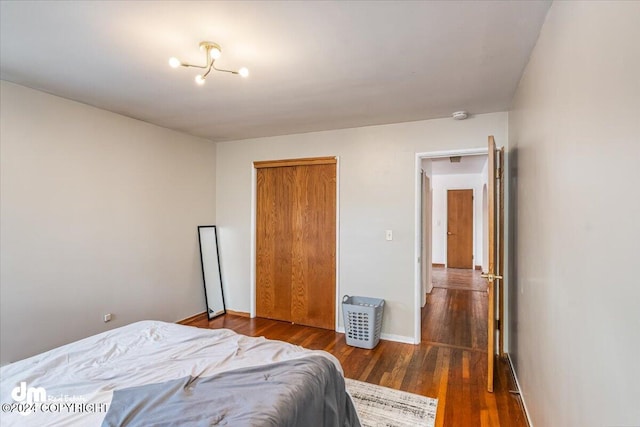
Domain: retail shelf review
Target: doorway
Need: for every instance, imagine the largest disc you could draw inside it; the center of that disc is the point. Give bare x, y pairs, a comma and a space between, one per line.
493, 295
457, 177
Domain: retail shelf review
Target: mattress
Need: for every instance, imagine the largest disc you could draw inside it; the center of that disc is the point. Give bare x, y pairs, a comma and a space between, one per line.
157, 373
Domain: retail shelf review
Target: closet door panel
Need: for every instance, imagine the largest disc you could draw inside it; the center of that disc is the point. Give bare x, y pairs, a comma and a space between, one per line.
274, 241
314, 245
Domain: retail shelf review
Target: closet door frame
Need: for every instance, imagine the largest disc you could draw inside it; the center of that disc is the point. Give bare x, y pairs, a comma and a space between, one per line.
295, 162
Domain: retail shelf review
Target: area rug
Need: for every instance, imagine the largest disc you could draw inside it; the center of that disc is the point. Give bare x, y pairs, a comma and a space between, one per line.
381, 406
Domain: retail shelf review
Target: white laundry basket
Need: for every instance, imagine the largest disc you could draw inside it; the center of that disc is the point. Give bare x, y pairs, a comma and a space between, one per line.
362, 320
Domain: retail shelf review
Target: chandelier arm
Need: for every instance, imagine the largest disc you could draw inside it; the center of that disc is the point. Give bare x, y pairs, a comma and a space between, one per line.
208, 68
224, 71
194, 66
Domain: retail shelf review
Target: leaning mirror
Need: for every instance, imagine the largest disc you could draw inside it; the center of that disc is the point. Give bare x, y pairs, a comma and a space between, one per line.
209, 257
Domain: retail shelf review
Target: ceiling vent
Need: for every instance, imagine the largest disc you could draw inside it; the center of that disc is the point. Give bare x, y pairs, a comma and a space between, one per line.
460, 115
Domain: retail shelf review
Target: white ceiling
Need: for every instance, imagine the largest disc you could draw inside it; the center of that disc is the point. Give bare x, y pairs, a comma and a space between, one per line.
314, 65
467, 165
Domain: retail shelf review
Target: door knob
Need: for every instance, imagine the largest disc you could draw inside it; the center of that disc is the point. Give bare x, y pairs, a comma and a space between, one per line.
490, 276
449, 233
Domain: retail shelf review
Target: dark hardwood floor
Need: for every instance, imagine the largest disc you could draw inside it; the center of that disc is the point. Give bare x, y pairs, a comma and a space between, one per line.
457, 278
450, 363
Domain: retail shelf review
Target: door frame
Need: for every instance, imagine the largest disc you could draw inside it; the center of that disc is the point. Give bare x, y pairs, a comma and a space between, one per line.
252, 270
417, 324
426, 236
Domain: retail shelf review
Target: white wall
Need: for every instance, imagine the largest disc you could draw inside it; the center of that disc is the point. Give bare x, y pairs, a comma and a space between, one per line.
98, 214
441, 184
575, 336
377, 175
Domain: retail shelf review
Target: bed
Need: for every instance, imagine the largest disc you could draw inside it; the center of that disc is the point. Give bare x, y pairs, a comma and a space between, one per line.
164, 374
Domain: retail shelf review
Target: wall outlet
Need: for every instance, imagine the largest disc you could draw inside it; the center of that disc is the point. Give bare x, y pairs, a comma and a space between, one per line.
107, 317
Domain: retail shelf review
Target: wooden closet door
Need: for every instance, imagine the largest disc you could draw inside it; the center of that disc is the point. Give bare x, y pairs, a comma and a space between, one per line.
314, 247
295, 248
274, 242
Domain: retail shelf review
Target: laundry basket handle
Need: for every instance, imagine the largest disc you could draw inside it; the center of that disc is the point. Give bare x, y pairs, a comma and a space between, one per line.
345, 298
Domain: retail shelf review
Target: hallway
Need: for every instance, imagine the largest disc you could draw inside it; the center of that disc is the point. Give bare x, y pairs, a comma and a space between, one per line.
456, 310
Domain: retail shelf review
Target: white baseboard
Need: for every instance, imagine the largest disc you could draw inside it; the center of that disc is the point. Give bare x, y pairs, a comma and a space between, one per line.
524, 404
388, 337
398, 338
430, 287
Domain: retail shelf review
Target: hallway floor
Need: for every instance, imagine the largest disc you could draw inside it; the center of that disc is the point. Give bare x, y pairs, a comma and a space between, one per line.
450, 363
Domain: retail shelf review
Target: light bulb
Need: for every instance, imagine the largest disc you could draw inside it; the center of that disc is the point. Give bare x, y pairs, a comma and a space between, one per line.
244, 72
174, 62
215, 53
200, 80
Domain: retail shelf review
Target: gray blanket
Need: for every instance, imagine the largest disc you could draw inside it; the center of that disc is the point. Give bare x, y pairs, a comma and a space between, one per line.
302, 392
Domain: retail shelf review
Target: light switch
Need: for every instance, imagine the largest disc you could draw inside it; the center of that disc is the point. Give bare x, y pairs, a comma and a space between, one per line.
389, 234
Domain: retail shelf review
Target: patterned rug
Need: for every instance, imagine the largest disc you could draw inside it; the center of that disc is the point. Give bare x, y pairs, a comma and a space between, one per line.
381, 406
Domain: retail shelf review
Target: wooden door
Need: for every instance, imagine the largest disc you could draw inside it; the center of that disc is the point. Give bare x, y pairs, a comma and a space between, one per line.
460, 229
274, 242
313, 296
295, 241
495, 218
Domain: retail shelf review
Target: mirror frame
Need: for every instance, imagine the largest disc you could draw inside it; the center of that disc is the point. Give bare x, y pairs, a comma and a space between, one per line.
210, 312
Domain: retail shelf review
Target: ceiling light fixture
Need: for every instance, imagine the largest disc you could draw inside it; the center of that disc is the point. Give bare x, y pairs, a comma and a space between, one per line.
212, 52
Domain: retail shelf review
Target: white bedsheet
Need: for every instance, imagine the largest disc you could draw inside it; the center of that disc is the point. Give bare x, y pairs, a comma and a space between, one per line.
87, 371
